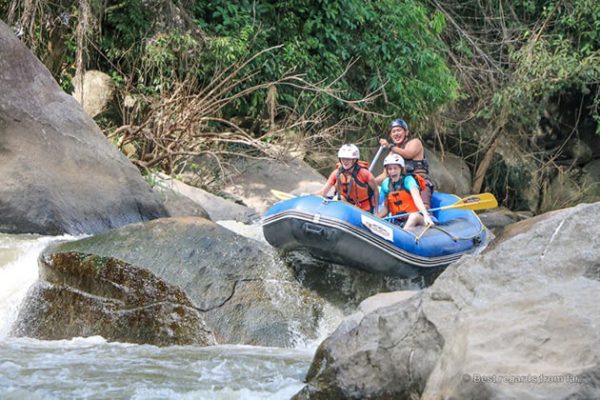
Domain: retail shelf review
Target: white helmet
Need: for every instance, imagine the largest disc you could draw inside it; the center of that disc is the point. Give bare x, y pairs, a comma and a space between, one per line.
392, 159
349, 151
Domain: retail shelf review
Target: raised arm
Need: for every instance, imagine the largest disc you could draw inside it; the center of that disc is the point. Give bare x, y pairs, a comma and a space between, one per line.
380, 178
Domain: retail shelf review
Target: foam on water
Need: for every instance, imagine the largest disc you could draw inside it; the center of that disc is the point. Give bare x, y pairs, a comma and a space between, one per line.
18, 271
92, 368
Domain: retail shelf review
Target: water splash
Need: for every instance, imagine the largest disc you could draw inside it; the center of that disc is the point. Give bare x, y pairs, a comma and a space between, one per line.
18, 271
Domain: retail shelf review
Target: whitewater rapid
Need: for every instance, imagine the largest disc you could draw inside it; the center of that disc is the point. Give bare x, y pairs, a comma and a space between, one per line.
92, 368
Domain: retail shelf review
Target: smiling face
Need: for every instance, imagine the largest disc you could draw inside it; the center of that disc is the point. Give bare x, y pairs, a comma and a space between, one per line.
398, 134
394, 171
347, 163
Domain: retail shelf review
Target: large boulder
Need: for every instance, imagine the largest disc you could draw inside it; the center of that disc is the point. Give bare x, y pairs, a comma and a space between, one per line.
518, 321
450, 173
59, 173
82, 294
231, 282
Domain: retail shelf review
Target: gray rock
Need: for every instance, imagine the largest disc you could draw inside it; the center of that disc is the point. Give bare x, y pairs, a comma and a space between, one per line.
257, 177
242, 294
59, 173
498, 218
450, 173
95, 93
85, 295
181, 198
518, 321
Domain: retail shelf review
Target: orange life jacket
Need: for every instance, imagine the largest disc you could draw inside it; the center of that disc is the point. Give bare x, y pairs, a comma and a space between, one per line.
352, 189
399, 200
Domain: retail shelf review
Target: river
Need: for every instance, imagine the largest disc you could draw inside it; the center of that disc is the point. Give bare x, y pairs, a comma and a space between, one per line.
92, 368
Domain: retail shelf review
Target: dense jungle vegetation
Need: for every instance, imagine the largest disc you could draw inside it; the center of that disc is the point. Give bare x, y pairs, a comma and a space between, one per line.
507, 86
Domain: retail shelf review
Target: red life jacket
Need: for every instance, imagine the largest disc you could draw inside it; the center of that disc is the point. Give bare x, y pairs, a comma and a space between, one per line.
399, 200
353, 189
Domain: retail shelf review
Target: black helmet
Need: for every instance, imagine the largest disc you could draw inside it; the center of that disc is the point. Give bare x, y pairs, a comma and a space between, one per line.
399, 123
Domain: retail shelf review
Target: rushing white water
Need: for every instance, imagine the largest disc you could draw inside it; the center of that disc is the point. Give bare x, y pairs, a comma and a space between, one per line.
91, 368
18, 271
94, 369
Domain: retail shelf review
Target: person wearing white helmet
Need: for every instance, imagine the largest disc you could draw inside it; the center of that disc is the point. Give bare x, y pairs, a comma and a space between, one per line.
352, 180
401, 194
413, 152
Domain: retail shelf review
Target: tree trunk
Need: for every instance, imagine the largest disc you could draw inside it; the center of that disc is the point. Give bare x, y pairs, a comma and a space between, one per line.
485, 163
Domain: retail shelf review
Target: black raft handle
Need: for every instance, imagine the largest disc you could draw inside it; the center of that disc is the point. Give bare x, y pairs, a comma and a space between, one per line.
313, 229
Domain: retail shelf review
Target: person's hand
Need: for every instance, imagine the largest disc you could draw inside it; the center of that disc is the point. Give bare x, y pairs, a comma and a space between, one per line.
428, 220
383, 142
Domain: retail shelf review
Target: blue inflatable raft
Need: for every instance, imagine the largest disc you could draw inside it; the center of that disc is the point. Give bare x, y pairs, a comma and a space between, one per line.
338, 232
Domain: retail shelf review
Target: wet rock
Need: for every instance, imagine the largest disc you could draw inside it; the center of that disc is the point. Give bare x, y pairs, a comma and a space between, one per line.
85, 295
60, 174
497, 219
232, 282
518, 321
385, 354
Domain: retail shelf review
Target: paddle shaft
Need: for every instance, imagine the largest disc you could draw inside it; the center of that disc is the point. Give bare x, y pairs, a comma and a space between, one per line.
474, 202
375, 158
430, 210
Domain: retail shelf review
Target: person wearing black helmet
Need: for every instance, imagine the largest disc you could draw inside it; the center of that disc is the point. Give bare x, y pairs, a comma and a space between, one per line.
413, 153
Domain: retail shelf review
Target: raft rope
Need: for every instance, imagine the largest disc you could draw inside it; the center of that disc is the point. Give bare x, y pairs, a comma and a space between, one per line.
453, 237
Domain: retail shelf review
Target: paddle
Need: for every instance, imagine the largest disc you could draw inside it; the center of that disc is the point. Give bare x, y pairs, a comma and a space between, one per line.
282, 195
375, 158
473, 202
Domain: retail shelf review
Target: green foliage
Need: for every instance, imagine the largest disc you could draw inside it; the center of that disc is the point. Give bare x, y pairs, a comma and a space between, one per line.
390, 44
168, 58
4, 4
126, 25
563, 57
387, 44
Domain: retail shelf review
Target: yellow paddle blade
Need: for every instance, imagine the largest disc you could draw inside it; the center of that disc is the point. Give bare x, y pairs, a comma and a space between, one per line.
474, 202
282, 195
